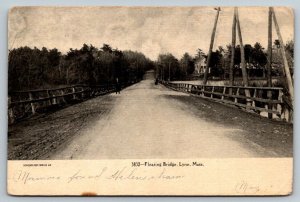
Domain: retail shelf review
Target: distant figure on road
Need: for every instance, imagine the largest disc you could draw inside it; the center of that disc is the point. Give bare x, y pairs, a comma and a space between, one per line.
156, 81
118, 86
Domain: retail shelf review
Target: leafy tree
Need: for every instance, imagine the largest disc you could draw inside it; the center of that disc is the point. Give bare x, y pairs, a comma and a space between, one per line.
187, 64
34, 68
259, 58
215, 63
200, 55
169, 67
277, 43
107, 48
289, 50
248, 49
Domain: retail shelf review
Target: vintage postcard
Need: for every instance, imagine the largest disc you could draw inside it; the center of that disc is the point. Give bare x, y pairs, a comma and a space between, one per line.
150, 101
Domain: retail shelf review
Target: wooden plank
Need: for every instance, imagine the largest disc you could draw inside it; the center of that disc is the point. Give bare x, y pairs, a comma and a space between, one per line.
44, 99
42, 90
238, 104
242, 97
195, 91
249, 87
55, 89
49, 97
244, 87
251, 107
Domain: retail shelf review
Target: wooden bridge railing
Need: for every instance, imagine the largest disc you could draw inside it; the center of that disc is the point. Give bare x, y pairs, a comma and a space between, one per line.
24, 103
262, 99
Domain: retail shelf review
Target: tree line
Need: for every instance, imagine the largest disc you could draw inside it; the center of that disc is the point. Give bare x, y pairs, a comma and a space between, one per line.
169, 67
33, 68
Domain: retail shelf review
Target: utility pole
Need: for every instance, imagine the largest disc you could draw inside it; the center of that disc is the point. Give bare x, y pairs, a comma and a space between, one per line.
244, 70
232, 53
285, 62
211, 45
269, 62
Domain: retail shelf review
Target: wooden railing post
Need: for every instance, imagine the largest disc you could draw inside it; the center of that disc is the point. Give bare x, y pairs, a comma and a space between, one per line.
82, 94
269, 95
237, 93
42, 98
224, 91
279, 106
202, 88
32, 104
254, 96
74, 91
212, 92
49, 99
54, 101
62, 98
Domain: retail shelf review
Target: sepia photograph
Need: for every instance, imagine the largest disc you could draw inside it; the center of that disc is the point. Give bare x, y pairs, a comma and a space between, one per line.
151, 83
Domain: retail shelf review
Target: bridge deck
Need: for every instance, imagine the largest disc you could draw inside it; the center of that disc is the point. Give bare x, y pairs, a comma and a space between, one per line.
149, 121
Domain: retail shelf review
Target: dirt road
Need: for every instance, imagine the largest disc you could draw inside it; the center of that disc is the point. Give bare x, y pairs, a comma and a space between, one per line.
149, 121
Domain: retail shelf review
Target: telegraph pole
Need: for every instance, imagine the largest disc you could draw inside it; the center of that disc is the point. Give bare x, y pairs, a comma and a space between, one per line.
269, 62
244, 70
285, 62
211, 46
232, 53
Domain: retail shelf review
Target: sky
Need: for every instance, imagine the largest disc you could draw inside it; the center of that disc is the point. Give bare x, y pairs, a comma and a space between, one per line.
150, 30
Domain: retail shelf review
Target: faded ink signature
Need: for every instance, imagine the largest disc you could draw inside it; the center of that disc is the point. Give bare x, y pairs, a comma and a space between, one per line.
246, 188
